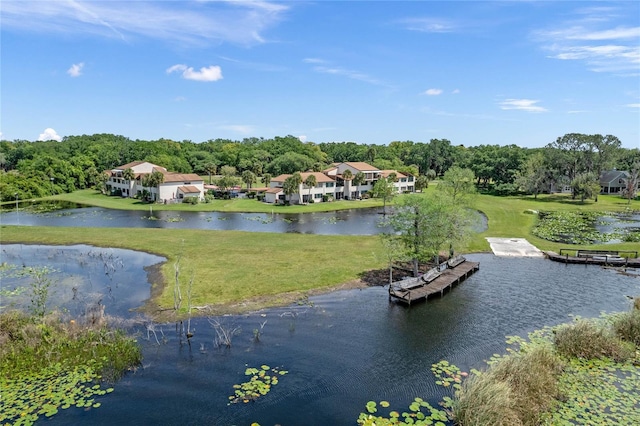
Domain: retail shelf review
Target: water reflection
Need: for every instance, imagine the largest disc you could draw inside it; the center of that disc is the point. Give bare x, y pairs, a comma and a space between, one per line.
344, 222
346, 348
81, 276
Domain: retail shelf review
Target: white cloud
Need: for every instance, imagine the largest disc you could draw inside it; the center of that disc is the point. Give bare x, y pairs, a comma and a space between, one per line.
313, 61
49, 135
455, 91
522, 104
244, 129
193, 22
433, 92
76, 70
352, 74
303, 138
633, 105
211, 73
597, 39
428, 25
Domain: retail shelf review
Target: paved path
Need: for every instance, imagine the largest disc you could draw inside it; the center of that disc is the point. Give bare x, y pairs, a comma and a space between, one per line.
515, 247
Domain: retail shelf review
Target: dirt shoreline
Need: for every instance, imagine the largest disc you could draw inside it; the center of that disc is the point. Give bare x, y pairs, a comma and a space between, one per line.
371, 278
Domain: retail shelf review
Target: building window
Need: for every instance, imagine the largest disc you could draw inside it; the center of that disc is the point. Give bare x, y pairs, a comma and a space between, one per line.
317, 196
329, 185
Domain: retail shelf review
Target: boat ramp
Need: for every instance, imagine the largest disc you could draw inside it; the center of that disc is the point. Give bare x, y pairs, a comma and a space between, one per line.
436, 281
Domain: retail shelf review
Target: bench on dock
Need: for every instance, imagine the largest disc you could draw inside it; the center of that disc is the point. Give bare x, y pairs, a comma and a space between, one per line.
431, 275
597, 253
455, 261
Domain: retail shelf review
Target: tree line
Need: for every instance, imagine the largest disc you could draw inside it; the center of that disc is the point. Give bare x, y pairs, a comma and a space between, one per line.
30, 169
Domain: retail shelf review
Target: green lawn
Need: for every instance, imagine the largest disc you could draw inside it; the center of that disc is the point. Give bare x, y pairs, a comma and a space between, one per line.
229, 267
240, 270
94, 198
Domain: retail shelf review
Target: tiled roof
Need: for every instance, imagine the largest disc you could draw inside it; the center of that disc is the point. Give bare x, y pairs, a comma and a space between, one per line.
273, 190
129, 165
362, 166
386, 173
189, 189
180, 177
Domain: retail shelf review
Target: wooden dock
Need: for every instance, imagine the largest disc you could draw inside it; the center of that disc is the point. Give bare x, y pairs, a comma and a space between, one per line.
416, 289
596, 257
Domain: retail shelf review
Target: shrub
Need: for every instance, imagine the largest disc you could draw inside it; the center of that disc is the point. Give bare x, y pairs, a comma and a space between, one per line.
485, 401
191, 200
517, 390
627, 327
587, 340
311, 201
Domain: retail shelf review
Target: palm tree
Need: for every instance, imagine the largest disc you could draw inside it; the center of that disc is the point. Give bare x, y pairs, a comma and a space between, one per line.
289, 187
211, 169
358, 180
297, 180
249, 178
155, 179
266, 179
347, 175
129, 176
310, 181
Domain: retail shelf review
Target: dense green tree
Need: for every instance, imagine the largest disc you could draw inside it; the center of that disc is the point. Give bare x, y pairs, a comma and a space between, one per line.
289, 163
383, 188
424, 225
534, 177
585, 185
458, 185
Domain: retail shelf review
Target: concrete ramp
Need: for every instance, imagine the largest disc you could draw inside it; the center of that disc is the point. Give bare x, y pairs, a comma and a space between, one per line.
514, 247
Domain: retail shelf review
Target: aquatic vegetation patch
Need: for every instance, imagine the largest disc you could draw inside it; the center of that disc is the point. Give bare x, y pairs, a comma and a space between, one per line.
586, 376
47, 365
570, 227
420, 412
260, 382
44, 393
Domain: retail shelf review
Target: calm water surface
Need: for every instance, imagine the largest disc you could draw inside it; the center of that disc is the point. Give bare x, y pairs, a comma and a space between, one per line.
344, 222
348, 347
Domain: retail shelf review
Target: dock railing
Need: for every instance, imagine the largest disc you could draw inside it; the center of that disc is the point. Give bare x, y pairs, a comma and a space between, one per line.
597, 253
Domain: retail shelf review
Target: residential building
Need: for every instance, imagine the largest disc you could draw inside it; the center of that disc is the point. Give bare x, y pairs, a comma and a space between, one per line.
613, 181
331, 184
175, 187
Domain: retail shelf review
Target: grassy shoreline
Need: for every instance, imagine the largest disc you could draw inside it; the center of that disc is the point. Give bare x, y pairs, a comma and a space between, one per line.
238, 271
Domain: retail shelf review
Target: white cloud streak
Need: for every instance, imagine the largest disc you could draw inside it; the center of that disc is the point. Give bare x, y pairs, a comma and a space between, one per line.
428, 25
244, 129
49, 135
210, 73
76, 70
593, 38
528, 105
188, 22
433, 92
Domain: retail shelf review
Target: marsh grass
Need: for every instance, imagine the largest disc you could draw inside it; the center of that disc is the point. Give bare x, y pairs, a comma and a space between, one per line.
516, 390
588, 340
48, 363
627, 324
27, 343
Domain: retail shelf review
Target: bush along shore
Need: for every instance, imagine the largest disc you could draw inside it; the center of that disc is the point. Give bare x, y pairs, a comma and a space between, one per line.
585, 372
50, 362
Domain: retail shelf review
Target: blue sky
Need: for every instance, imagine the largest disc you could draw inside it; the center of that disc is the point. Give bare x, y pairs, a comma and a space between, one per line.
472, 72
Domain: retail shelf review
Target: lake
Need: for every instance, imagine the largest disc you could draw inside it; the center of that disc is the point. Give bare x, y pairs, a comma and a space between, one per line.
343, 222
345, 348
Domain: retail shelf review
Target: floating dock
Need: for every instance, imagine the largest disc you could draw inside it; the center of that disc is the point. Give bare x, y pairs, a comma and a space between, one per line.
625, 259
437, 281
